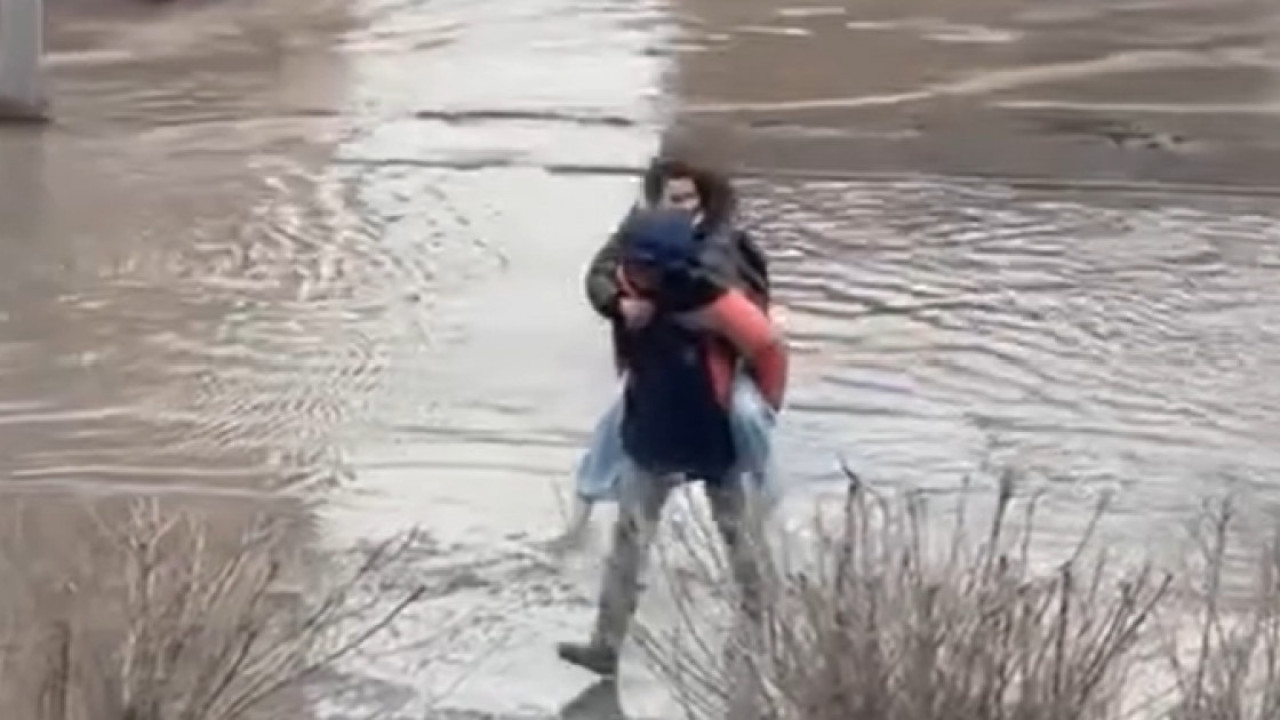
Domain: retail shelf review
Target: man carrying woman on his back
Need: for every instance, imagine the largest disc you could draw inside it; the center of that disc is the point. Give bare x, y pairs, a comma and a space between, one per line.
694, 345
725, 256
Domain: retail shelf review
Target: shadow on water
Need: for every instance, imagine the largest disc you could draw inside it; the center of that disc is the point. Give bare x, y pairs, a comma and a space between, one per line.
598, 702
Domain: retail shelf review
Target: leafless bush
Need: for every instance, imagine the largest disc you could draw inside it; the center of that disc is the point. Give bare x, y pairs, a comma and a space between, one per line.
881, 623
170, 624
884, 618
1226, 661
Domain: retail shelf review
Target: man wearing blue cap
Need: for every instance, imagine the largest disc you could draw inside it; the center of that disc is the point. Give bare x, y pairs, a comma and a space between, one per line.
725, 254
680, 366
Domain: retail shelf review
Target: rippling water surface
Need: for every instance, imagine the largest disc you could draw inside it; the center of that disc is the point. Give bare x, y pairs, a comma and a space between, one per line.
343, 254
1089, 335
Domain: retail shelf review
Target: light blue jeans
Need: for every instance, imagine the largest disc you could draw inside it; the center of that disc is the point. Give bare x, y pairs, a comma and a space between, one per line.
751, 419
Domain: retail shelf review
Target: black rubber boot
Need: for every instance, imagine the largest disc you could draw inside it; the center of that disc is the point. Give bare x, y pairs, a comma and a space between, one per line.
594, 657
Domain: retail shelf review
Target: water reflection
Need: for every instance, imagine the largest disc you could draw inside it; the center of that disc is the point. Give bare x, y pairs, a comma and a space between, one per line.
1092, 333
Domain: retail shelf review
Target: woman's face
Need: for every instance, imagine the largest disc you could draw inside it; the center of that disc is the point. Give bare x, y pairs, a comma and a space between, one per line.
682, 194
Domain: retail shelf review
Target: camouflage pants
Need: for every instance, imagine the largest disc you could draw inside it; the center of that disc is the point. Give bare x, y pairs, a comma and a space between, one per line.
643, 496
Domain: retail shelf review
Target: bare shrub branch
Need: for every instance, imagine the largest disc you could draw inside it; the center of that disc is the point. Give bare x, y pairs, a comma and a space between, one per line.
877, 622
182, 627
1231, 670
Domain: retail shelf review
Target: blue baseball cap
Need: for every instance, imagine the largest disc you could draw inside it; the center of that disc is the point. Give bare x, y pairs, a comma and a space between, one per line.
664, 239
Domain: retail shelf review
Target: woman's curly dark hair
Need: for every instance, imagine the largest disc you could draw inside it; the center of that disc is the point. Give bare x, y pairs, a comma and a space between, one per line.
716, 193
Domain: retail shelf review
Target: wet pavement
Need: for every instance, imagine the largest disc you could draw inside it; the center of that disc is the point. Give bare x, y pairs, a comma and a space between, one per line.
271, 253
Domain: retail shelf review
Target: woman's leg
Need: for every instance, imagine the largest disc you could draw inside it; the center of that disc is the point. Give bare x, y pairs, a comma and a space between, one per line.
596, 479
573, 535
752, 422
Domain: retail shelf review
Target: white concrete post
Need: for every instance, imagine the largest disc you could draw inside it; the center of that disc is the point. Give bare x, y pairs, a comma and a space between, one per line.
21, 49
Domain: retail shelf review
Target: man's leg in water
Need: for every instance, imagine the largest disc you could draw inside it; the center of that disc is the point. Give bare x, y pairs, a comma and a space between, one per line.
643, 496
735, 521
739, 528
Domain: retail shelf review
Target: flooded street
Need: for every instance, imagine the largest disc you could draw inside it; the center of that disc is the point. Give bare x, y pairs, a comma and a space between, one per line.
269, 253
1006, 224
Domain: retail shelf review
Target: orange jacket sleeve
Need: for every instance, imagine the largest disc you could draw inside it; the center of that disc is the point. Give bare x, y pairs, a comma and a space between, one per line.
740, 321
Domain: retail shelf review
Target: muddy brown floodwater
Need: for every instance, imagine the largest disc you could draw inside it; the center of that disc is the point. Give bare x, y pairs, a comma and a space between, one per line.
271, 250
